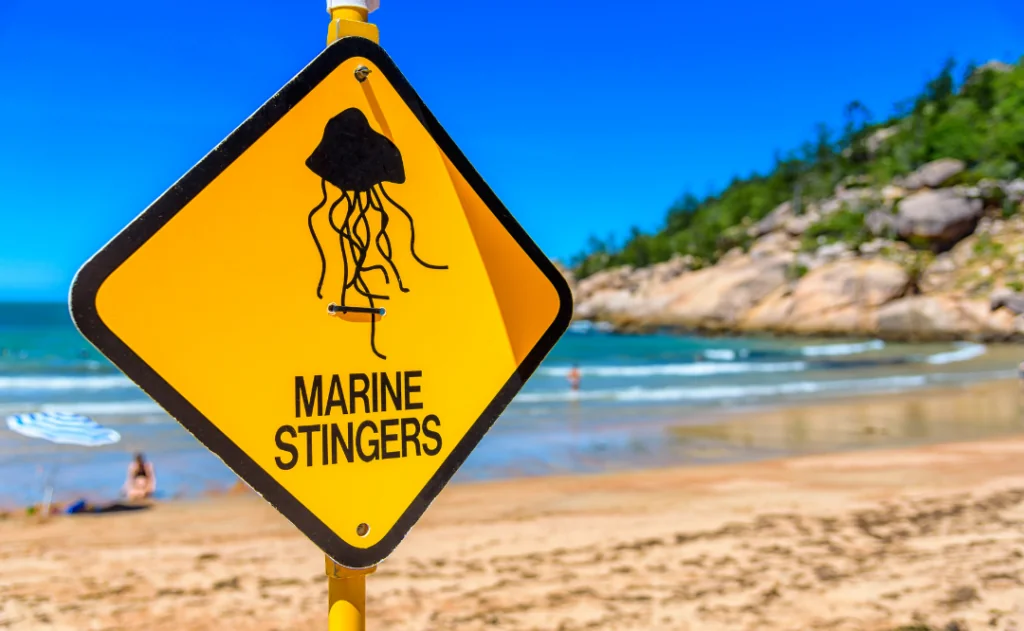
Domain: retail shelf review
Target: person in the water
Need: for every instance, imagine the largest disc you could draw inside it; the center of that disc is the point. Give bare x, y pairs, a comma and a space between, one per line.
574, 378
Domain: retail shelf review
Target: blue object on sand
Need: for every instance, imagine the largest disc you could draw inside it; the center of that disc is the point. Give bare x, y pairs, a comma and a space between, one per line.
63, 429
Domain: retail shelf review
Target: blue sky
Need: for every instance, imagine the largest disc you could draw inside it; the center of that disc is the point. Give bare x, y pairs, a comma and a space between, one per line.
584, 117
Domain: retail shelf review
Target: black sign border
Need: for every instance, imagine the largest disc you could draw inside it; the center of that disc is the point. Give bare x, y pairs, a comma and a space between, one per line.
87, 283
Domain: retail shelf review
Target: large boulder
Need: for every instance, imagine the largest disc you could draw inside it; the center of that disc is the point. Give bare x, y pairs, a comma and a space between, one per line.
940, 217
934, 174
944, 317
719, 297
628, 296
603, 291
838, 298
714, 298
598, 304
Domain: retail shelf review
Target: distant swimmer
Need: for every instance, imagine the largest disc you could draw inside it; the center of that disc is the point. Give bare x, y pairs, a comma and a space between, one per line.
1020, 370
574, 378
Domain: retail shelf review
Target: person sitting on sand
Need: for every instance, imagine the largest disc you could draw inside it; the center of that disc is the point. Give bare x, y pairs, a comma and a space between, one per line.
141, 482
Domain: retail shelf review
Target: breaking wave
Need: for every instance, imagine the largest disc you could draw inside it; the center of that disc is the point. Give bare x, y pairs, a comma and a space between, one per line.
712, 393
699, 369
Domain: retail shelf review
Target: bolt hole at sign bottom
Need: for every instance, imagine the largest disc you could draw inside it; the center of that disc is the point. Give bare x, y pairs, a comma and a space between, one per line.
362, 530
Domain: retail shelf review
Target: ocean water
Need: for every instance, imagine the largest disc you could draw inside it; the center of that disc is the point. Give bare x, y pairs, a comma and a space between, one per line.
637, 391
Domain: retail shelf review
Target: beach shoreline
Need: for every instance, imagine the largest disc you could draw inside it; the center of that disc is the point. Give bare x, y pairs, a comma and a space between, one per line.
783, 429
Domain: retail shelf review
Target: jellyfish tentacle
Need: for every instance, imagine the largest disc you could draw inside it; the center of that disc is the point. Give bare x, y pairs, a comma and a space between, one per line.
353, 228
385, 219
316, 241
412, 230
362, 221
364, 290
330, 217
373, 319
382, 270
349, 225
359, 283
387, 257
342, 239
344, 258
354, 251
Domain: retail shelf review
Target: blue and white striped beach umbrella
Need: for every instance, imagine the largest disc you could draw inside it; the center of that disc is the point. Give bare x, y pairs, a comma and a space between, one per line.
63, 429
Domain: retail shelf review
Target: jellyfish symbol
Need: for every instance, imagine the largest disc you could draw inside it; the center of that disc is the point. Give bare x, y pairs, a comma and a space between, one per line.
357, 160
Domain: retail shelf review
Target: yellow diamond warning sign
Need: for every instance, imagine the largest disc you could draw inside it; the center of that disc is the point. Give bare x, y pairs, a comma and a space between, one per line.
332, 301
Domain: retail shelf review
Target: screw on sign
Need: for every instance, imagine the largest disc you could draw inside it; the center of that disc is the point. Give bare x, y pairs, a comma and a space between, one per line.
351, 397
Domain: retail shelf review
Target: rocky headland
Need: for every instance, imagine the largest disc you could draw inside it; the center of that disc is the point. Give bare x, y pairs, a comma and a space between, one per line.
928, 256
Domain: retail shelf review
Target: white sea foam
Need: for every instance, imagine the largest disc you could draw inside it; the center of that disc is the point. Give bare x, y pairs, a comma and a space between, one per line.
713, 393
836, 350
586, 326
724, 354
964, 352
699, 369
61, 382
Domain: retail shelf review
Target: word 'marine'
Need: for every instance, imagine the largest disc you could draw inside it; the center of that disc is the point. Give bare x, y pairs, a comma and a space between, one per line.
374, 391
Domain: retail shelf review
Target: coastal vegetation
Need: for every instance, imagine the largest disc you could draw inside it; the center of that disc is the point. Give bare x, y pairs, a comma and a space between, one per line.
976, 118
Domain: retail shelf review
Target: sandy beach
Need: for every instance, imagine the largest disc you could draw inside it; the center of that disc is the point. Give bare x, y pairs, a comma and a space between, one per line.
868, 539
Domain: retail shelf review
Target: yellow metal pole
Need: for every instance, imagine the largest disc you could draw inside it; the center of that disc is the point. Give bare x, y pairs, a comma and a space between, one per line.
346, 588
350, 21
346, 597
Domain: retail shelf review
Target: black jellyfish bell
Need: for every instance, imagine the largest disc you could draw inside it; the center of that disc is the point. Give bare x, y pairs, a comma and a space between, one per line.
357, 160
354, 157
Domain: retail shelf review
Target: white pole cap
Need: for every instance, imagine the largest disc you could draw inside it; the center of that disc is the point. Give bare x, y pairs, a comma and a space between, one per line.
369, 5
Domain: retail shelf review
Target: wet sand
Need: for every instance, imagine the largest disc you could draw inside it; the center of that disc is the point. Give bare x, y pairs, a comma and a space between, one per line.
868, 539
967, 413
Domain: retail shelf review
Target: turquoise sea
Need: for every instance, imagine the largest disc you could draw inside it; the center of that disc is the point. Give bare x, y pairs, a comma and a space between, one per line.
635, 389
